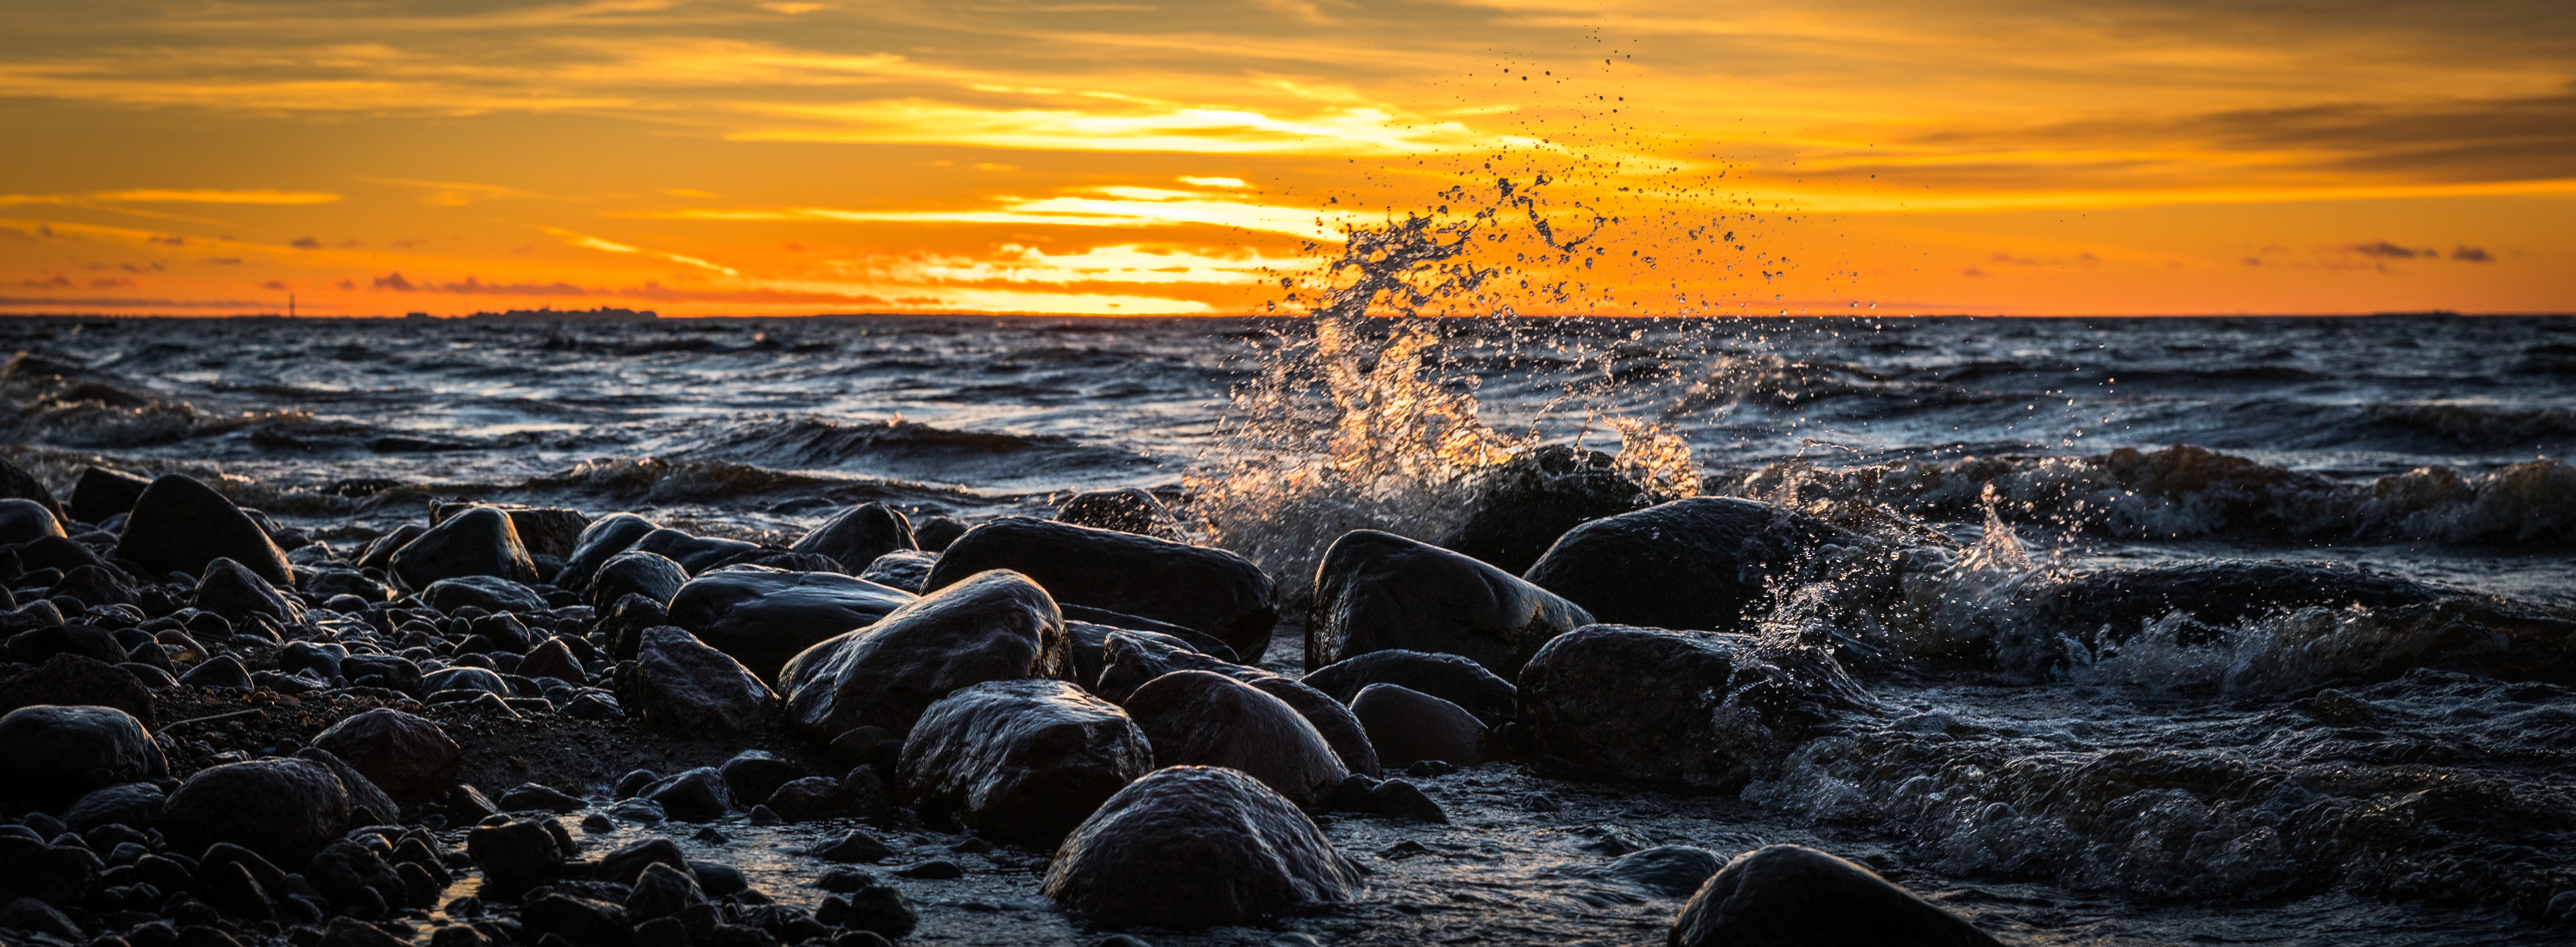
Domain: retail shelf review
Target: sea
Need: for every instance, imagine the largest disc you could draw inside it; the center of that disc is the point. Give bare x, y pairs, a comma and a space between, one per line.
2255, 783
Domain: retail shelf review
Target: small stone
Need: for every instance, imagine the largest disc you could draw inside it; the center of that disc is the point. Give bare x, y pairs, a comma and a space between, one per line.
857, 846
1788, 894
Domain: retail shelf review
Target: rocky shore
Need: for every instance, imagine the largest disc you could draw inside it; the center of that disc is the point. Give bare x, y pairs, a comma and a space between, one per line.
549, 727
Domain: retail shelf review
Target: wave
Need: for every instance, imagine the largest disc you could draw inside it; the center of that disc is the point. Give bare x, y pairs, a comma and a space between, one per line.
58, 402
903, 447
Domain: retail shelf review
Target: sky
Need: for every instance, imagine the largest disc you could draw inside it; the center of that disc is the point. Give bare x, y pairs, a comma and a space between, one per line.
712, 157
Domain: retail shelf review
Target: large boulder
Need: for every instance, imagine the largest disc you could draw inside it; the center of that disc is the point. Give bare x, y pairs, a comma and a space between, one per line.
683, 686
17, 484
54, 755
1020, 761
284, 809
1701, 563
1696, 708
993, 626
1192, 847
101, 493
651, 575
180, 525
1377, 591
25, 521
856, 536
1407, 726
765, 616
1449, 677
232, 590
1340, 728
1521, 507
1794, 896
1127, 510
1201, 718
409, 757
1210, 590
477, 542
603, 539
544, 530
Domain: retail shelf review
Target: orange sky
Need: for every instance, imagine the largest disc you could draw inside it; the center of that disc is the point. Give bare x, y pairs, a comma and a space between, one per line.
697, 157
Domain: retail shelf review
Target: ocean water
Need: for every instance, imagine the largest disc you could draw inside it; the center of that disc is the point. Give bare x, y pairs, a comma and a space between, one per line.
2284, 779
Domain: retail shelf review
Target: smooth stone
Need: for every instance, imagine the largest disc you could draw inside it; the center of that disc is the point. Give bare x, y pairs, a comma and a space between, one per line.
466, 678
39, 645
1449, 677
553, 659
694, 553
16, 483
1020, 761
543, 530
1407, 726
101, 493
754, 774
477, 542
684, 687
1699, 564
379, 554
285, 810
344, 869
627, 864
1131, 659
1519, 509
1210, 590
1377, 591
73, 680
388, 671
624, 623
327, 582
856, 536
95, 586
1126, 510
934, 534
811, 797
993, 626
763, 617
1201, 718
490, 593
1340, 728
585, 922
232, 590
696, 795
603, 539
1696, 708
651, 575
904, 569
181, 525
408, 756
1192, 638
531, 797
25, 521
514, 855
134, 805
1193, 847
1666, 871
1087, 650
55, 755
57, 553
368, 804
1800, 897
662, 889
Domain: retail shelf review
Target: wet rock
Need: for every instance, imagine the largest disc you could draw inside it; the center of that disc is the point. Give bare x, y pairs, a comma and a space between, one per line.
856, 846
694, 553
683, 686
763, 617
388, 671
1210, 590
180, 525
514, 855
1199, 718
95, 586
754, 774
101, 493
586, 922
1407, 726
631, 863
57, 553
647, 574
368, 805
344, 870
72, 680
934, 534
624, 624
134, 805
466, 678
553, 659
603, 539
697, 795
904, 569
1665, 871
285, 810
232, 590
1519, 509
812, 797
993, 626
25, 521
530, 797
477, 542
663, 890
1192, 847
60, 875
858, 535
328, 583
1697, 708
16, 483
1130, 659
1086, 651
1190, 638
1378, 591
38, 645
1697, 564
222, 672
56, 755
31, 916
232, 890
1020, 761
1128, 510
1449, 677
544, 530
379, 554
1791, 895
490, 593
1340, 728
407, 756
350, 932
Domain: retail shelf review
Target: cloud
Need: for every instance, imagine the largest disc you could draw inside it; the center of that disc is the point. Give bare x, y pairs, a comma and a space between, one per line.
475, 287
2390, 251
395, 282
1106, 206
453, 193
595, 243
2471, 254
305, 243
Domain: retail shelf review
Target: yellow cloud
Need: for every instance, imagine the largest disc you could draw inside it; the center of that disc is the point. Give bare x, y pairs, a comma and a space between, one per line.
188, 196
595, 243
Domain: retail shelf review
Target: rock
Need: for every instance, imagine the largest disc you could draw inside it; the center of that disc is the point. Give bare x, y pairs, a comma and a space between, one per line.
662, 889
232, 890
379, 554
407, 756
628, 864
992, 627
466, 678
1193, 847
388, 671
1130, 659
327, 583
1393, 799
285, 810
904, 569
2219, 593
1378, 591
514, 855
61, 875
25, 521
1694, 564
683, 686
530, 797
1519, 509
32, 916
344, 869
1452, 678
603, 539
586, 922
1406, 725
880, 910
694, 553
647, 574
1210, 590
812, 797
180, 525
553, 659
858, 535
351, 932
697, 795
133, 805
754, 774
1665, 871
39, 645
544, 530
934, 534
1087, 649
368, 805
95, 586
101, 493
477, 542
16, 483
856, 846
56, 755
232, 590
222, 671
72, 680
1128, 510
56, 552
1801, 897
763, 617
624, 624
1340, 729
1702, 709
1020, 761
1199, 718
490, 593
